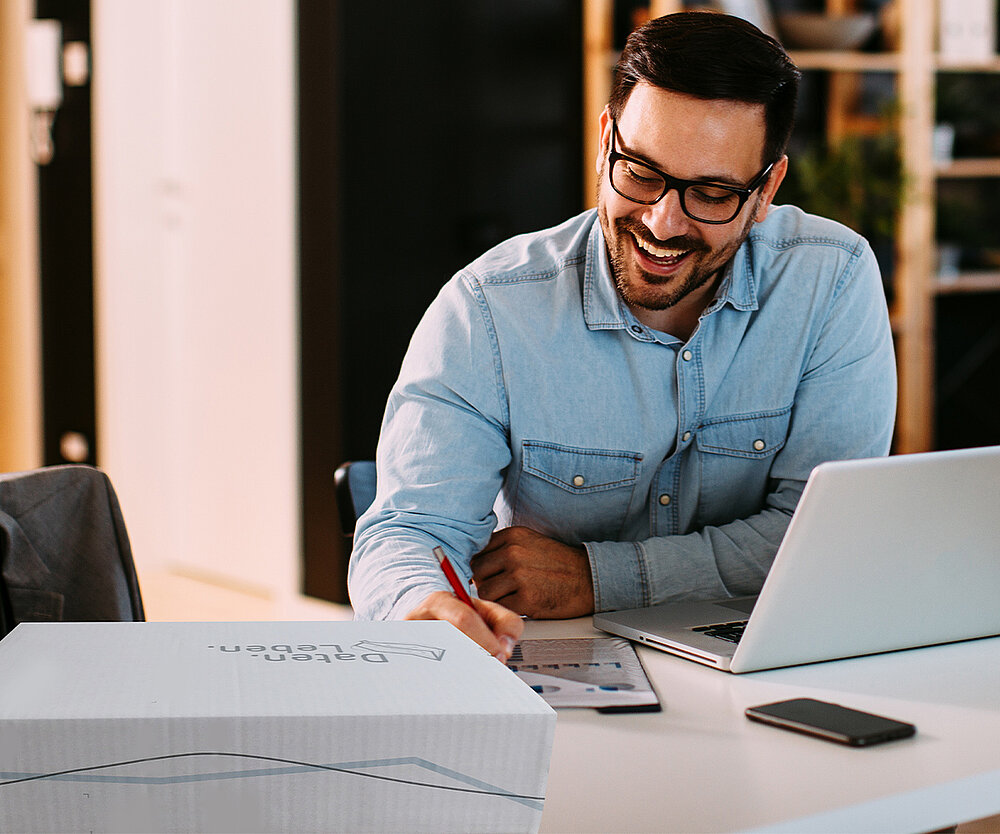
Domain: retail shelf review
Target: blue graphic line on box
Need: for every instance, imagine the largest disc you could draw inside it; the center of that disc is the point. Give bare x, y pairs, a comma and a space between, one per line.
83, 774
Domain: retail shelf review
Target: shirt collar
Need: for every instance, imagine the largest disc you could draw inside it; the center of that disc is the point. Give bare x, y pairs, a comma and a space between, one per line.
739, 284
603, 308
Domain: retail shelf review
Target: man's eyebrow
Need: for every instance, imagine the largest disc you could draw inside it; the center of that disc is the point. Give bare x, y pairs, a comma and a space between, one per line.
721, 179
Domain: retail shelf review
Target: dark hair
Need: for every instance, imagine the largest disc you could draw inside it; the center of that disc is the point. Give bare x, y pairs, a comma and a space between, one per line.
712, 56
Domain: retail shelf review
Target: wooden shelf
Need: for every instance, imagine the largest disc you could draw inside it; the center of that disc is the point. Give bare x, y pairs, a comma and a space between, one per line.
951, 65
969, 282
834, 61
967, 168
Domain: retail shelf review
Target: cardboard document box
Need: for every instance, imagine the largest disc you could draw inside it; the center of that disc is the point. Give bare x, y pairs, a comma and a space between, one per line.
309, 726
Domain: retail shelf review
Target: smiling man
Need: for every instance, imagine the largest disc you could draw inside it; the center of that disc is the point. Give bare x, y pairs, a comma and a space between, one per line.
624, 409
667, 256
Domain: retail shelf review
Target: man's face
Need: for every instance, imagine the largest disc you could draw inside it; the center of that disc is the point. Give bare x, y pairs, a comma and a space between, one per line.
659, 256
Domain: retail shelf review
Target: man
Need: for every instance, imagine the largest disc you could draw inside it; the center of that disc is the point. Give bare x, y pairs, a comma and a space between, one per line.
624, 409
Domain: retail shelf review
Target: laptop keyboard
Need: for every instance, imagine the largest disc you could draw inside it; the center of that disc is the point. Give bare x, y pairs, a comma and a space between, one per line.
731, 632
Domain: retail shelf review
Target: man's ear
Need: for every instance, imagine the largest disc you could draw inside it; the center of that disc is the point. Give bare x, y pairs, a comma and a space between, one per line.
604, 124
771, 188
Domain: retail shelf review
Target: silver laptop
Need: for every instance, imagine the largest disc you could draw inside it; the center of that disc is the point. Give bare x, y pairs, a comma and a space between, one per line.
881, 554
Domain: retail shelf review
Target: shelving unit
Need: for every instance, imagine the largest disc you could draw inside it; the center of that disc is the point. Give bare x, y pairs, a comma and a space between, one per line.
915, 65
970, 282
973, 281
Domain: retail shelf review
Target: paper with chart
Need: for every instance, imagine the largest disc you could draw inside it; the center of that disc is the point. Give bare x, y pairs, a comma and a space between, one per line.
601, 672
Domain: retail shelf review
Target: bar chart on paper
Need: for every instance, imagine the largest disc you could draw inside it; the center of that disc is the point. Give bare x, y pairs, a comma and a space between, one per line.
601, 672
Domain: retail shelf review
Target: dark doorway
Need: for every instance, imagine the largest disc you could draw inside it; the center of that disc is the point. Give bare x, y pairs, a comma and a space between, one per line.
65, 224
428, 133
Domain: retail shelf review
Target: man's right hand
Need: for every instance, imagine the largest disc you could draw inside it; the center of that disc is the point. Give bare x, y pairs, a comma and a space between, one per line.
492, 626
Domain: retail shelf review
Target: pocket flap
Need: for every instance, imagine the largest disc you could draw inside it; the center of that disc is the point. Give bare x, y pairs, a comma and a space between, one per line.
756, 435
581, 470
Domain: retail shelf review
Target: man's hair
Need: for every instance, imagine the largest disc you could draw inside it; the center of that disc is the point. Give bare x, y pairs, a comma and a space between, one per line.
712, 56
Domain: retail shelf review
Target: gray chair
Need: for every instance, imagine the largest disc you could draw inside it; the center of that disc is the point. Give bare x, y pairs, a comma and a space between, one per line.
355, 487
64, 551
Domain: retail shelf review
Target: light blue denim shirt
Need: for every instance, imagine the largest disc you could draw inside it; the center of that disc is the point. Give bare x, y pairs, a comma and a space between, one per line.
530, 395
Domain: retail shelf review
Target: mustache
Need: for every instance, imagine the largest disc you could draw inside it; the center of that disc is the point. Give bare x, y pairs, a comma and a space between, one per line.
627, 224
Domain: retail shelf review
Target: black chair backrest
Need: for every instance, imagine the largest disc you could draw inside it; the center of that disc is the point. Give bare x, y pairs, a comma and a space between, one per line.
355, 487
64, 551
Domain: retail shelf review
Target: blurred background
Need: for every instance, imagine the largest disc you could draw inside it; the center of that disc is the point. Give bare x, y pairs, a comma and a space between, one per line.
222, 219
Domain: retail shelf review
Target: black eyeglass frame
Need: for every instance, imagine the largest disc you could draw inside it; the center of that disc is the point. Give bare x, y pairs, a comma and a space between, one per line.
680, 186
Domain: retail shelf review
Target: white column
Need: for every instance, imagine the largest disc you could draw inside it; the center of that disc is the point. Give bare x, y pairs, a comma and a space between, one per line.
196, 284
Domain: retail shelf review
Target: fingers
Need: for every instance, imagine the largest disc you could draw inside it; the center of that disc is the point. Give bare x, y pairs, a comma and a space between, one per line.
495, 578
486, 565
534, 575
495, 558
504, 623
492, 626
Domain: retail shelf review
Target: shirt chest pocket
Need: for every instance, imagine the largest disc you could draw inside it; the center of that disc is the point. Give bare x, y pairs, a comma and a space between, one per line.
752, 436
576, 494
735, 459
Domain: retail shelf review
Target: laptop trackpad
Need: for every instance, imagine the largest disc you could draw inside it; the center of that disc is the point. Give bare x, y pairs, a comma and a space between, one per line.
744, 604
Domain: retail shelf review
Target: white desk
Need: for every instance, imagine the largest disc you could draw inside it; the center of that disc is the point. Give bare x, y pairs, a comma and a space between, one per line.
700, 765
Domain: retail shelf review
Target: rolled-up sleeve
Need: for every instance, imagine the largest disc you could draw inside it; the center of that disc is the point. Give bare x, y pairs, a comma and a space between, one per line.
440, 461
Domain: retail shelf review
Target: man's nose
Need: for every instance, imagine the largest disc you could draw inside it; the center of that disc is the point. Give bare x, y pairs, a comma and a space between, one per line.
665, 218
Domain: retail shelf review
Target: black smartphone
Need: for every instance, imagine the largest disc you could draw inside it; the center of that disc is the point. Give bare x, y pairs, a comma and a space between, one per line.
832, 722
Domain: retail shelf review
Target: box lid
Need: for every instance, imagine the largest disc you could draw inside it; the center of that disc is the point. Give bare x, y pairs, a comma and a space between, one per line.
144, 670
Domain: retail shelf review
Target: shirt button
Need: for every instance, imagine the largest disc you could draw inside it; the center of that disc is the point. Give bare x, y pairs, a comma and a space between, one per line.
578, 480
759, 445
686, 436
636, 329
686, 356
664, 499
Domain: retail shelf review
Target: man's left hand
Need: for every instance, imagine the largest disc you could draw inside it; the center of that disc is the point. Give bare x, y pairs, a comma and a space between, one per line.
534, 575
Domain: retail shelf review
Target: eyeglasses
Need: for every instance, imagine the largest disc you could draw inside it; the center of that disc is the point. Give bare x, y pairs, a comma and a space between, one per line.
706, 202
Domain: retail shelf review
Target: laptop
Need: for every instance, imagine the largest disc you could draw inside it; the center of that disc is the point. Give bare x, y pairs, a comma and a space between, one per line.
881, 554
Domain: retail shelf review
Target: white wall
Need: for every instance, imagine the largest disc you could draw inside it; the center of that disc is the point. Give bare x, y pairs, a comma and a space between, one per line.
196, 283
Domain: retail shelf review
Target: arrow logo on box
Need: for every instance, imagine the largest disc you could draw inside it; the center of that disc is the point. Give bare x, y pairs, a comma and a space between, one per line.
414, 649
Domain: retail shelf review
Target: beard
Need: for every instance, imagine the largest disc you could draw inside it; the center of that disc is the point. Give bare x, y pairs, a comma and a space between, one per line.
649, 291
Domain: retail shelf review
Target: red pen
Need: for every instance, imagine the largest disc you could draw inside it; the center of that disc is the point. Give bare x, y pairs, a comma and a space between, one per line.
452, 577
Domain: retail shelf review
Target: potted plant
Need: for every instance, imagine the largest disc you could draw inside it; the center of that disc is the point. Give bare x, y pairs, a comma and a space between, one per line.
859, 182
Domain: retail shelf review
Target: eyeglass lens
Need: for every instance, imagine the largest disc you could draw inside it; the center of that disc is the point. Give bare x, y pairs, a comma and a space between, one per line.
707, 202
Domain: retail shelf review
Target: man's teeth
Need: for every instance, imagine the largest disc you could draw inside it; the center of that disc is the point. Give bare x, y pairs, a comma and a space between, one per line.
657, 252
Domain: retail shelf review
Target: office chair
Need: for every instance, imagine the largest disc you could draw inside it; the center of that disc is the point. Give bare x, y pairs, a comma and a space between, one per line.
64, 551
355, 487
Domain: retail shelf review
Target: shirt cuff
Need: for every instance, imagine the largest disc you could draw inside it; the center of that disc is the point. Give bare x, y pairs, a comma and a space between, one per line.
620, 576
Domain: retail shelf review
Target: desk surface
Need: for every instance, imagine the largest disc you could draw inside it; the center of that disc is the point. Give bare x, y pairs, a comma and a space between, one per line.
700, 765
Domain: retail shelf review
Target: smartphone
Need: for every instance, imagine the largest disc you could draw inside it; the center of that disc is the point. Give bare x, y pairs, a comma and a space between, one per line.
832, 722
